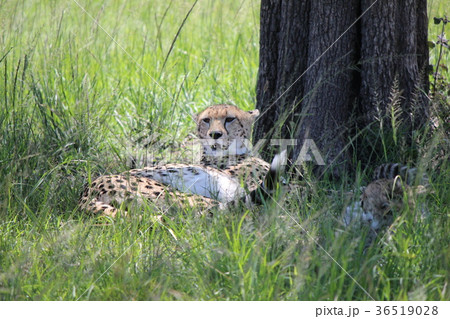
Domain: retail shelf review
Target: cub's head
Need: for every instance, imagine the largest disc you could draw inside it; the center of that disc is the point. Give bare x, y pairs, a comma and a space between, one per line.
225, 129
379, 199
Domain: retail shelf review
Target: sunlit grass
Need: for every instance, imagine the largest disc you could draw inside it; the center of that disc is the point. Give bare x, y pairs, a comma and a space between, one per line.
74, 101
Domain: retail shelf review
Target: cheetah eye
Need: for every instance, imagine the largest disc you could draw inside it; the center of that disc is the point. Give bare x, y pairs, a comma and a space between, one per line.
206, 120
229, 119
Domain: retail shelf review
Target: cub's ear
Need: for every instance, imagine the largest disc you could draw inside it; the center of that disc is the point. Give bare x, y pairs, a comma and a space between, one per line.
195, 117
397, 187
384, 205
253, 114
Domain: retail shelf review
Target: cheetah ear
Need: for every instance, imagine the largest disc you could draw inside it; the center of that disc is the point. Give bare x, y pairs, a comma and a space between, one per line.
397, 187
195, 117
253, 114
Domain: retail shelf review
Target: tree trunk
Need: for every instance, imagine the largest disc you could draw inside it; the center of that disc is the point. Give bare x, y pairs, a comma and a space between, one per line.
321, 67
394, 49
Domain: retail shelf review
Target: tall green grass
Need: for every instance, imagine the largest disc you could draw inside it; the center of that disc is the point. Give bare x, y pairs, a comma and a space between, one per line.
77, 102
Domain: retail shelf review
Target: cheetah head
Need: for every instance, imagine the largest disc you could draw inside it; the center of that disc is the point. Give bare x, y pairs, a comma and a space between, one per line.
225, 130
378, 201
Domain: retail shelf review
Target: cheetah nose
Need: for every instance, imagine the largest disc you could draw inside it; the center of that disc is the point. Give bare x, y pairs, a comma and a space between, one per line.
216, 134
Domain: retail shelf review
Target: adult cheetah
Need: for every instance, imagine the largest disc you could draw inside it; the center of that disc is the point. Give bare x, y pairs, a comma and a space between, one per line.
227, 171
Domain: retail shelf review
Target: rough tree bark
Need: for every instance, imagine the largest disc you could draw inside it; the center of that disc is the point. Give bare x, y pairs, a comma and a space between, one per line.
319, 70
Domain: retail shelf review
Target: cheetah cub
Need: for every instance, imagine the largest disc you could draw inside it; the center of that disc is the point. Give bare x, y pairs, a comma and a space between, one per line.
384, 196
227, 171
